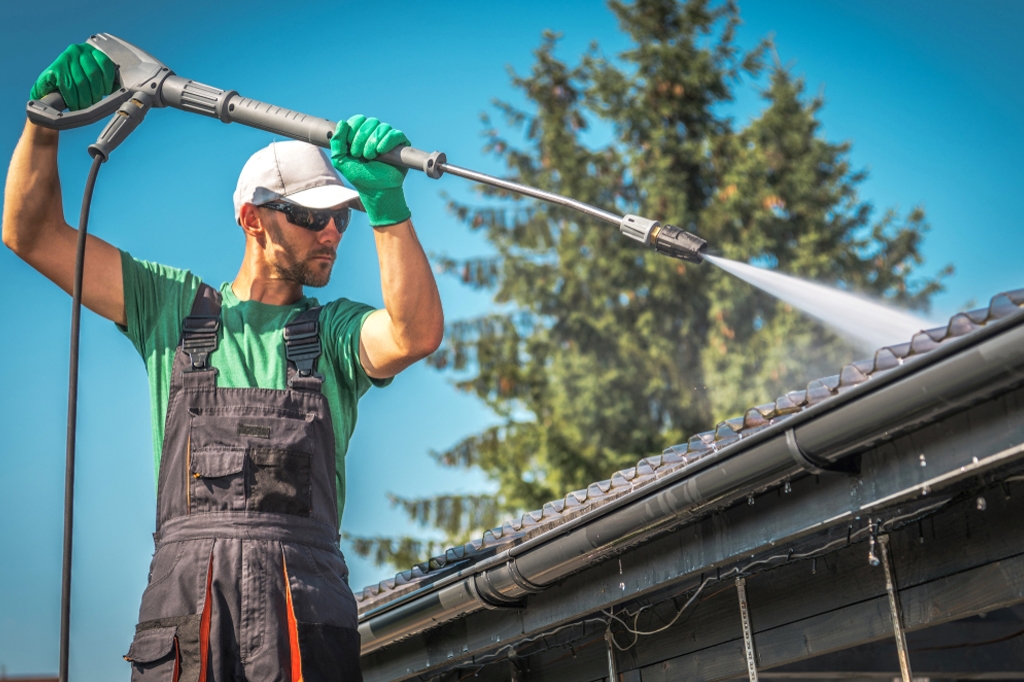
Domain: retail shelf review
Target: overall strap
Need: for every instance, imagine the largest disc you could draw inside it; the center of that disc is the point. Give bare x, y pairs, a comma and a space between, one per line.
302, 348
199, 330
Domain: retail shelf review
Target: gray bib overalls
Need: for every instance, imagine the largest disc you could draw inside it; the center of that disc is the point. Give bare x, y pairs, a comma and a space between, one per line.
247, 581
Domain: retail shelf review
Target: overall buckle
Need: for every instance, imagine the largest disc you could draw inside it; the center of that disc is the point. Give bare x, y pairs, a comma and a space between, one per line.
302, 347
199, 339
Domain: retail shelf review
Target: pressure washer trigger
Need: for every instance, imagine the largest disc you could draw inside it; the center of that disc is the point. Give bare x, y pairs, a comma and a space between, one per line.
50, 111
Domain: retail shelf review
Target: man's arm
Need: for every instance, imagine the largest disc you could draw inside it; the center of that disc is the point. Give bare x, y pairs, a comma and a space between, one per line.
35, 229
411, 324
34, 226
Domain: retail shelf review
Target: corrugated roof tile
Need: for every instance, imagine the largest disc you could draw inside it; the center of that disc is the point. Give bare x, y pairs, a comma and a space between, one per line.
1001, 306
961, 324
817, 391
886, 359
798, 397
784, 405
700, 442
851, 376
724, 435
1016, 296
753, 419
922, 343
576, 498
865, 366
900, 350
736, 424
979, 316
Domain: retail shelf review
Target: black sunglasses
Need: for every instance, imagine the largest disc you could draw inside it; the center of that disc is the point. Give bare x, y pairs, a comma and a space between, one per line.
314, 219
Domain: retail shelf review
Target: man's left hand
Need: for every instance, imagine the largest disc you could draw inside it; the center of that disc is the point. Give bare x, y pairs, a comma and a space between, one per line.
355, 145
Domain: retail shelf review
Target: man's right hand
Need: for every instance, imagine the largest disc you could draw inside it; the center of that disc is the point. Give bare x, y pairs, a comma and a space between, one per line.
82, 74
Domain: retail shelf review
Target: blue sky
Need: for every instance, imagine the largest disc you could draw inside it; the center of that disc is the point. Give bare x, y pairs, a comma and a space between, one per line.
929, 93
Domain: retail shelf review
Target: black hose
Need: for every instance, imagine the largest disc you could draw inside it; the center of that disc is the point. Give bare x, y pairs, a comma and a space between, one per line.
69, 467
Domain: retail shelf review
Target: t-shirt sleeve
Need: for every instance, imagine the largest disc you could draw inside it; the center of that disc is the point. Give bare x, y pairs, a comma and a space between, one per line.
156, 299
344, 323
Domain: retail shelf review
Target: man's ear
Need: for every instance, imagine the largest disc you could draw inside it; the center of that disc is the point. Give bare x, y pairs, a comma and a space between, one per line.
251, 220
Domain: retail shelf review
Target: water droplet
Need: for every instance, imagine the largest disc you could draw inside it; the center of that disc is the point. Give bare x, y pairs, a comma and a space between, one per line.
923, 462
750, 500
981, 504
787, 488
974, 460
622, 586
925, 490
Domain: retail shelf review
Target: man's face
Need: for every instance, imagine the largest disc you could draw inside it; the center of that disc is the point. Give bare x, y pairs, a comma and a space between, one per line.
297, 254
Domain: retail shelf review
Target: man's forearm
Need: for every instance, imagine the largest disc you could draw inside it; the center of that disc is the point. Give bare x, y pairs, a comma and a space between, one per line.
35, 229
409, 289
32, 198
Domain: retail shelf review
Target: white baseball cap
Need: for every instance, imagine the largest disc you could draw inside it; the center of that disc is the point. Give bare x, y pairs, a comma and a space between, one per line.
296, 171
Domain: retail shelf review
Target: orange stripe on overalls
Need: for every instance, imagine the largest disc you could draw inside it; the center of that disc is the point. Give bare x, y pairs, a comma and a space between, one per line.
293, 628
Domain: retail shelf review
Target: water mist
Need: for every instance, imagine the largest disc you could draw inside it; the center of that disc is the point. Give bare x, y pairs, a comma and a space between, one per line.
868, 324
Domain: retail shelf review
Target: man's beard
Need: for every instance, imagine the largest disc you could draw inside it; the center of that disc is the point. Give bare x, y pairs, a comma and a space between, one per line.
307, 274
304, 273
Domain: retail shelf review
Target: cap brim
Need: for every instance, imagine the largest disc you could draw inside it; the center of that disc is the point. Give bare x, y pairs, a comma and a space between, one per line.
326, 196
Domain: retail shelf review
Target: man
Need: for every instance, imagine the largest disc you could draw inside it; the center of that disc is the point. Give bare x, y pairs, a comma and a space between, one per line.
254, 389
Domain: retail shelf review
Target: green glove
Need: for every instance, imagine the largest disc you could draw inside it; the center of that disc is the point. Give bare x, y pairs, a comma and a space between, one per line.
355, 145
81, 73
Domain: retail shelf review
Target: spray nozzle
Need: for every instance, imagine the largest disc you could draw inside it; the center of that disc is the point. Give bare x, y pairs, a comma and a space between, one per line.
667, 239
678, 243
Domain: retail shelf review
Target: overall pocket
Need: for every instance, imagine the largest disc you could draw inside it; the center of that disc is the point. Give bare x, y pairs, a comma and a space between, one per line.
215, 481
165, 650
279, 481
154, 655
262, 456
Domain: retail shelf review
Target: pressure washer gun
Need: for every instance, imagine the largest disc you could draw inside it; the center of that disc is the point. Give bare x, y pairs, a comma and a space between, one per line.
146, 82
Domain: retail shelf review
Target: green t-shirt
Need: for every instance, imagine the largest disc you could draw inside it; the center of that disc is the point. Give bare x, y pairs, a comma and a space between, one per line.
250, 352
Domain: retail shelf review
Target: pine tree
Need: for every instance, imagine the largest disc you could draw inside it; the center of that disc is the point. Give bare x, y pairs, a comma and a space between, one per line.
603, 353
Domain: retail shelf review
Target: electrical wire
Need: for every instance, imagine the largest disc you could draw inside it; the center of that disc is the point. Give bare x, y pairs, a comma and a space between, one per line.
69, 464
897, 521
768, 563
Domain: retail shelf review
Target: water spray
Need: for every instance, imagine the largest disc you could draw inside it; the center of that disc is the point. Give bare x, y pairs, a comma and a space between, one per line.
869, 324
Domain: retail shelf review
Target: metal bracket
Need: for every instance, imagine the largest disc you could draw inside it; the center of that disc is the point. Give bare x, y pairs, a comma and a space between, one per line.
818, 465
748, 635
613, 668
895, 610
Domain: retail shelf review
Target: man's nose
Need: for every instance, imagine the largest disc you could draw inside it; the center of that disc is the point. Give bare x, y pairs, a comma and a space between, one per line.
331, 233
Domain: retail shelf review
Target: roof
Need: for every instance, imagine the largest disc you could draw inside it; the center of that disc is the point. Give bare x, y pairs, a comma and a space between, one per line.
673, 459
